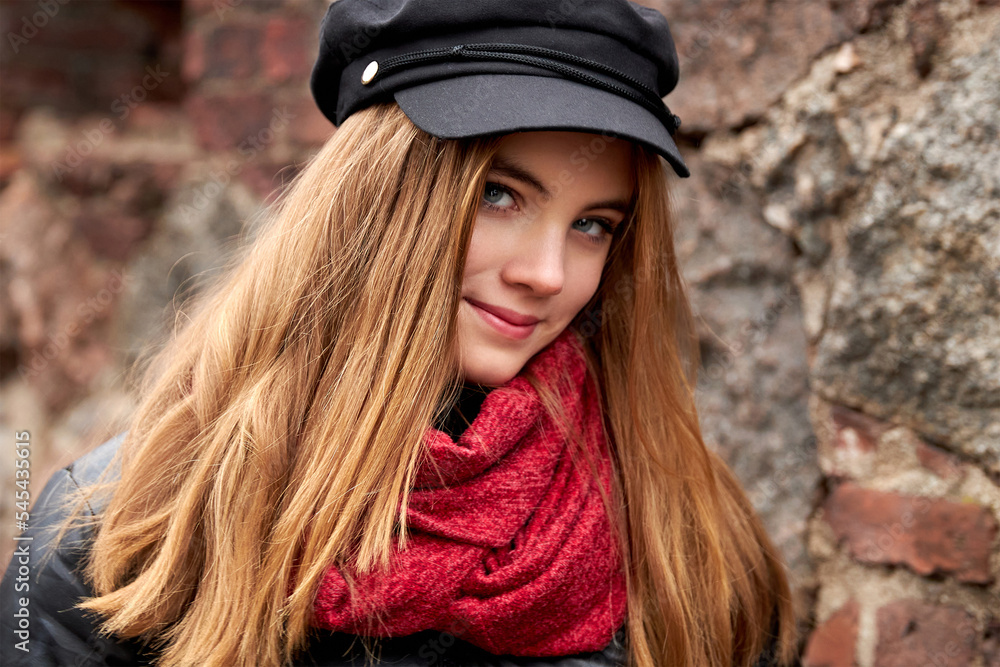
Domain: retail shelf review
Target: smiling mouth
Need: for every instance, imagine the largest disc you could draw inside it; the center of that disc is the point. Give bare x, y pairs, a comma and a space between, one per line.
511, 316
500, 323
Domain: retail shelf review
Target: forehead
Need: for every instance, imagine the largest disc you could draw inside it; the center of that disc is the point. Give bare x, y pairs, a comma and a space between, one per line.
562, 157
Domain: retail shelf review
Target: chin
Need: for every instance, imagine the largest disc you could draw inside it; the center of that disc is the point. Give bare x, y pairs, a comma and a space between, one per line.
490, 379
493, 375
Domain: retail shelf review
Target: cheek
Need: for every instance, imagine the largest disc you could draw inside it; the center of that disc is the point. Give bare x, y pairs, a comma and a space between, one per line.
478, 255
585, 281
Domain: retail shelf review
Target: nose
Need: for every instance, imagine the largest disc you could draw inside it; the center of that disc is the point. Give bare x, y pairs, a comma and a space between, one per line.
537, 261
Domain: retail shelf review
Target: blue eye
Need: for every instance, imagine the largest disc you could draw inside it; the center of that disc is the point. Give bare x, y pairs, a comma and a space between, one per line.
493, 195
598, 229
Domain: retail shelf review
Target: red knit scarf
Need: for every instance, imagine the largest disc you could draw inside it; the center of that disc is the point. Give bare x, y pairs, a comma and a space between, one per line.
510, 542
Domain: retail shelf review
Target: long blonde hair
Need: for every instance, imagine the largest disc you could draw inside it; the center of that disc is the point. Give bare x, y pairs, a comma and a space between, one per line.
280, 428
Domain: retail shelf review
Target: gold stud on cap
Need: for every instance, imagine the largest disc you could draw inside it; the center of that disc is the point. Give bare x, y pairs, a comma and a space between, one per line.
370, 72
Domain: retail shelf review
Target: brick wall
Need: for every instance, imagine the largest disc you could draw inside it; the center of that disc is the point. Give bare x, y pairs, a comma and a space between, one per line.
138, 141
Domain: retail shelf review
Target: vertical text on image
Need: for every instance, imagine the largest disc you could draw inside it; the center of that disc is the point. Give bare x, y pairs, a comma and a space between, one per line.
22, 552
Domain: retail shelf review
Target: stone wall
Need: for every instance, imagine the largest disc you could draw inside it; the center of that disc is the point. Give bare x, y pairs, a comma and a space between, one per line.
844, 246
840, 235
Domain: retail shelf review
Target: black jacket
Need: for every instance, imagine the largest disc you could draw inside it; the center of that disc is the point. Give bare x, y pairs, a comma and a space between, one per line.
57, 634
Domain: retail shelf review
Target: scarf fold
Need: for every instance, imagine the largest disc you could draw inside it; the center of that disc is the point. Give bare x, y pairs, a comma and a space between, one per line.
510, 547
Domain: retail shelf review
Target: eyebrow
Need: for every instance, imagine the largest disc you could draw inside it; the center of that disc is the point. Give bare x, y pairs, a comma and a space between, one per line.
512, 169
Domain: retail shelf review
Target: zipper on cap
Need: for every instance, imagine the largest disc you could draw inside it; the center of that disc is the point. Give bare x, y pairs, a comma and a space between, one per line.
537, 56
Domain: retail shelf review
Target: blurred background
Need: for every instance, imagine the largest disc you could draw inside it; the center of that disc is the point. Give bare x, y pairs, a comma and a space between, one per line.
840, 235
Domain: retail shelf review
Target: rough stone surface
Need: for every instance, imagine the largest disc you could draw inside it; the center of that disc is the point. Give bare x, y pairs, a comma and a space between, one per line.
927, 535
880, 164
912, 329
913, 633
854, 444
170, 272
753, 385
119, 204
738, 56
991, 644
58, 301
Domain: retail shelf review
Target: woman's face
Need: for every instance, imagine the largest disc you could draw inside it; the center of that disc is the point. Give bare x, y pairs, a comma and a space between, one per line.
542, 235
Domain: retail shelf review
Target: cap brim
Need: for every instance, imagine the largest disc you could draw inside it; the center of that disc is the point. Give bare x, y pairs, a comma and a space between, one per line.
484, 104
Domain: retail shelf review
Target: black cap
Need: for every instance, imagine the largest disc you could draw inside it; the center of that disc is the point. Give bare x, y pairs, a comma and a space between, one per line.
466, 68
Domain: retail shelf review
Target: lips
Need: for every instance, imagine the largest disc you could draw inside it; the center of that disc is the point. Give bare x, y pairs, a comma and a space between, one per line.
511, 316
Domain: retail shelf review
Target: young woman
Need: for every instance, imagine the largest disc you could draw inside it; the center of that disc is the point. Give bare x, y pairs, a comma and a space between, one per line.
444, 399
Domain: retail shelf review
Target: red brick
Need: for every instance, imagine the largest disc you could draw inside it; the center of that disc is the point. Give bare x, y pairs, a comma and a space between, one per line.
193, 66
927, 535
218, 11
31, 85
285, 53
10, 161
225, 121
201, 6
833, 643
311, 127
939, 462
8, 124
99, 26
913, 633
130, 84
231, 51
